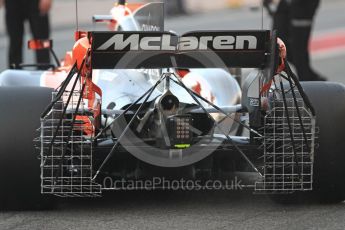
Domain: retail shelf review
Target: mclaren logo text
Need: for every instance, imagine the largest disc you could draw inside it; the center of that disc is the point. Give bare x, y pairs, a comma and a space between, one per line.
165, 42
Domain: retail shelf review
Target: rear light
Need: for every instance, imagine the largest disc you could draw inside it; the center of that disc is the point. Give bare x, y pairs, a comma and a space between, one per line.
179, 128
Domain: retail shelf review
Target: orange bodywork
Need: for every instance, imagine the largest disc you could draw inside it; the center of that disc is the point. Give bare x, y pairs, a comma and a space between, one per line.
85, 125
129, 8
80, 55
281, 67
134, 6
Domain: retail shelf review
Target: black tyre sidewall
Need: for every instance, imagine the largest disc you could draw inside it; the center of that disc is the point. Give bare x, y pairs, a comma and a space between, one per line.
328, 100
20, 110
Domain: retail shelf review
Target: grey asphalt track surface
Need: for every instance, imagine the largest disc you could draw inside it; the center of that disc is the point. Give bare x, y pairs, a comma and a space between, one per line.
192, 210
179, 210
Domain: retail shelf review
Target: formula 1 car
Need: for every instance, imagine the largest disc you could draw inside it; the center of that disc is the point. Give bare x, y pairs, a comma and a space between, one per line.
140, 108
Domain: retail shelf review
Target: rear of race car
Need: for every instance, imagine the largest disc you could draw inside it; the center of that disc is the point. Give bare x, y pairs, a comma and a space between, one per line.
154, 110
170, 128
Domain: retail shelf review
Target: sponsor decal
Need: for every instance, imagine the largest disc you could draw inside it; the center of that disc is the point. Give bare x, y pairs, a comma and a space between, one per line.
165, 42
146, 27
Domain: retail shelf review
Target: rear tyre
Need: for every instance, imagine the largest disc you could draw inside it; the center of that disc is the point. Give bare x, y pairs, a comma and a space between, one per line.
21, 108
329, 168
329, 163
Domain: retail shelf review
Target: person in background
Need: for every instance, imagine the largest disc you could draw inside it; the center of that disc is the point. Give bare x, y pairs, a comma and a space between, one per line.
175, 7
293, 20
36, 13
181, 7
